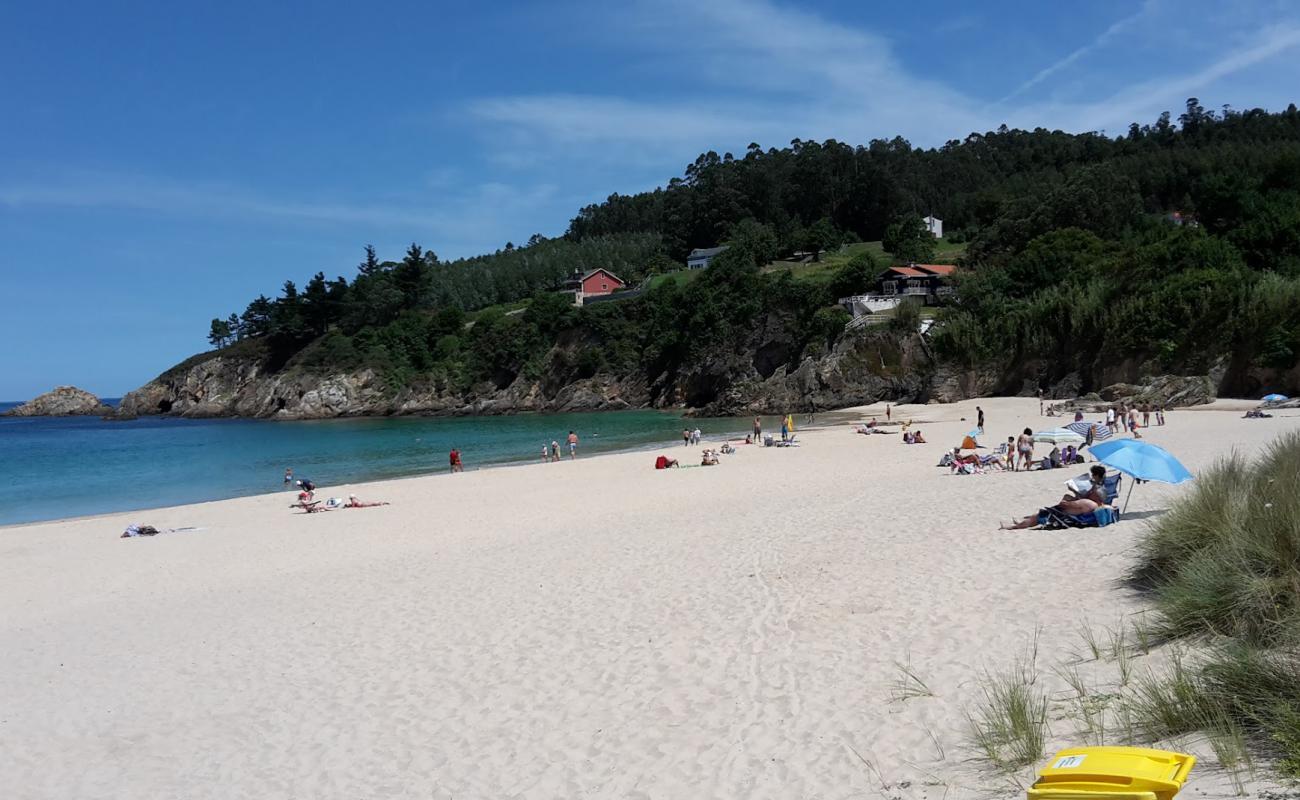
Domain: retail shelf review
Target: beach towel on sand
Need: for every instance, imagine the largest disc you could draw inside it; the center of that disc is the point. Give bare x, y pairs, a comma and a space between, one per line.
1051, 519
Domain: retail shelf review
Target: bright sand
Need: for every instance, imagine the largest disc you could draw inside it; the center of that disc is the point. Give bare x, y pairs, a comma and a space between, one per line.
587, 629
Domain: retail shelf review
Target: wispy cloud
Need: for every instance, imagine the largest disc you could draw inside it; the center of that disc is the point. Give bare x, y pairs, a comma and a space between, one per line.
468, 220
1106, 37
1141, 100
757, 70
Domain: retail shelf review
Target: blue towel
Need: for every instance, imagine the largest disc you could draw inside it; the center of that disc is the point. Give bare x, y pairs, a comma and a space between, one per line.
1053, 519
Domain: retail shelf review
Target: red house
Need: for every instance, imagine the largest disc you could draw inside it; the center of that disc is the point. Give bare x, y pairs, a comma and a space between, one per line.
592, 284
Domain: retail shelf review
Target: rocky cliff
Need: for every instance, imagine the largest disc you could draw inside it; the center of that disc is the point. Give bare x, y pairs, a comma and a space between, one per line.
764, 374
64, 401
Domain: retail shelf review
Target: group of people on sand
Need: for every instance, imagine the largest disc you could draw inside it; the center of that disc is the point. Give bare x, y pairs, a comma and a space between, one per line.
307, 496
1123, 417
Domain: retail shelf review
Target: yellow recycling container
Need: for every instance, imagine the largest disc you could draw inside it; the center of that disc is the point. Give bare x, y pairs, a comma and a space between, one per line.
1112, 773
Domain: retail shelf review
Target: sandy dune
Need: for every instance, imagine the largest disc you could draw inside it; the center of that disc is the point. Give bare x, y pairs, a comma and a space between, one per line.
587, 629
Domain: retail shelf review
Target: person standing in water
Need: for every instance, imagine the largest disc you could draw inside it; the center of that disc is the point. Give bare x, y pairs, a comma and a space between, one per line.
573, 445
454, 457
288, 474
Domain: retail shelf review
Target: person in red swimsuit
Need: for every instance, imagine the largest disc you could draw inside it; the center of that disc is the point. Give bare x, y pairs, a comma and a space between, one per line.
456, 466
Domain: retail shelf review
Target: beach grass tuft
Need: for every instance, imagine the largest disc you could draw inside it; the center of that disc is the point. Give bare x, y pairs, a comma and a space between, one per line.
1008, 727
908, 684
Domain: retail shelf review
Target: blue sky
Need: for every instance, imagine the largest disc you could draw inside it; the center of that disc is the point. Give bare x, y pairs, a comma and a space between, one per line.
163, 163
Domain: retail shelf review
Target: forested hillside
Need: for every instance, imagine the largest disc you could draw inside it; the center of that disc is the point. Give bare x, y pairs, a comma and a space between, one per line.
1077, 268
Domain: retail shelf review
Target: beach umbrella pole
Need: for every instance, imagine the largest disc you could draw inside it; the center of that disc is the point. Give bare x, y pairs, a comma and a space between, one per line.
1129, 496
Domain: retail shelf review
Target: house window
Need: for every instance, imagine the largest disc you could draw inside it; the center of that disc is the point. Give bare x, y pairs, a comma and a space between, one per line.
604, 287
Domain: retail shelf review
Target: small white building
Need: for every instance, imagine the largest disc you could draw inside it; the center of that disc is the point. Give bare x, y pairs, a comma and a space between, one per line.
701, 257
935, 226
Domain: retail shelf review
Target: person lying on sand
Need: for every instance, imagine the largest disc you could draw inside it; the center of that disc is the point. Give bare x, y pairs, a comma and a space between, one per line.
353, 502
1072, 503
710, 459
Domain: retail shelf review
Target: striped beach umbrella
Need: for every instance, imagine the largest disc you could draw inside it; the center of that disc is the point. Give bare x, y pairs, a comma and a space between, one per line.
1060, 436
1099, 430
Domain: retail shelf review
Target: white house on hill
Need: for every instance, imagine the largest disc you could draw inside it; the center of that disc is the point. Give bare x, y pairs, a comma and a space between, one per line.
702, 257
935, 226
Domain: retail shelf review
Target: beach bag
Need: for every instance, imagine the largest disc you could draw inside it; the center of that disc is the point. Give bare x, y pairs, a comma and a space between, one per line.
334, 502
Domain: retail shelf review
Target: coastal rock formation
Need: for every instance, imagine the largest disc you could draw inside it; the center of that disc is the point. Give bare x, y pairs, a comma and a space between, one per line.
1166, 391
760, 377
64, 401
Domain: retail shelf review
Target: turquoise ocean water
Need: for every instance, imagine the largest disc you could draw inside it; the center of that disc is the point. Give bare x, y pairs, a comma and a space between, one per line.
62, 467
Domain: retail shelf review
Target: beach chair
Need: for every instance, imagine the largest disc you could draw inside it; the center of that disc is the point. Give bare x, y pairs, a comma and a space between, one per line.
1111, 487
788, 442
1053, 520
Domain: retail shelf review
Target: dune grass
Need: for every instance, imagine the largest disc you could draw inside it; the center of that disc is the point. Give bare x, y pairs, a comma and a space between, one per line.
1224, 567
1008, 726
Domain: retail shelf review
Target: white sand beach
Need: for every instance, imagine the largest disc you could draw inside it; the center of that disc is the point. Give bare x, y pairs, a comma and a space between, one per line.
586, 629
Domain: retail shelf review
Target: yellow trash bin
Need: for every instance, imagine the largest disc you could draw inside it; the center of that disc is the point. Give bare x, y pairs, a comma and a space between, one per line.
1114, 773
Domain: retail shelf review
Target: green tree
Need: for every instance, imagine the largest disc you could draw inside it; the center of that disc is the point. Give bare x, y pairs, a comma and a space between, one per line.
820, 236
370, 264
908, 240
219, 333
857, 276
256, 319
756, 237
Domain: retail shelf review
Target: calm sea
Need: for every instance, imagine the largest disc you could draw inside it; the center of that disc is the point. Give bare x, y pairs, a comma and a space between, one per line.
54, 467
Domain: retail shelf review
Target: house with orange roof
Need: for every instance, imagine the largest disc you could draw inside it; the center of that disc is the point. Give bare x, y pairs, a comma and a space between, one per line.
925, 282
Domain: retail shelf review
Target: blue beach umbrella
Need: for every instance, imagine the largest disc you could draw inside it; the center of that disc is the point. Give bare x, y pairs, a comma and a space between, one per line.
1275, 398
1141, 461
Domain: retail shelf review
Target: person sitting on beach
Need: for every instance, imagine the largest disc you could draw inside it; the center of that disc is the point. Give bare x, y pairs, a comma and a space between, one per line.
907, 437
664, 462
960, 461
710, 459
1073, 503
748, 439
1078, 416
994, 460
917, 438
727, 449
1053, 459
308, 504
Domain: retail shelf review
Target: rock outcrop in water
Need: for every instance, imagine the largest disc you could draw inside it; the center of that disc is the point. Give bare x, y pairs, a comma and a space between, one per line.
63, 401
